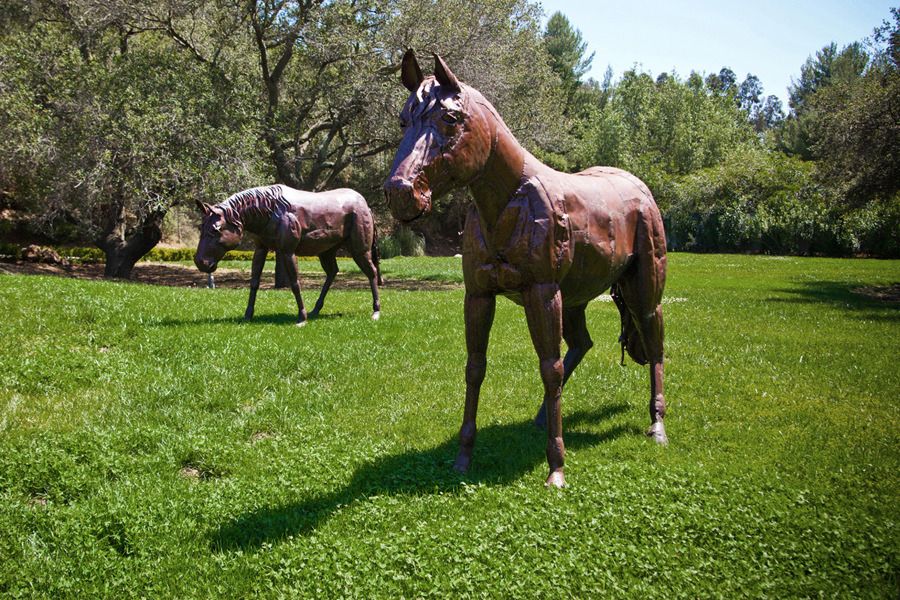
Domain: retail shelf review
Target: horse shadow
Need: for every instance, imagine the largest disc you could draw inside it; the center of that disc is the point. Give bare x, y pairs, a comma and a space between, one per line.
267, 319
503, 454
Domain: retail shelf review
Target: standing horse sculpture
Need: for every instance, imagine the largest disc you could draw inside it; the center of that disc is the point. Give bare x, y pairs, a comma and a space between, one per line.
547, 240
291, 222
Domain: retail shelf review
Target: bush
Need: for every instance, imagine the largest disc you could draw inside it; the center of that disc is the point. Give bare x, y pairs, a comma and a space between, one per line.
403, 242
754, 201
95, 255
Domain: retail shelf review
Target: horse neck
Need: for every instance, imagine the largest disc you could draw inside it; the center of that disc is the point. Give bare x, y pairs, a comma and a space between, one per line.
503, 170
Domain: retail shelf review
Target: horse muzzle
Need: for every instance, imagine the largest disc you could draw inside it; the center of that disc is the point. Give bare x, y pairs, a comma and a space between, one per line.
407, 200
206, 265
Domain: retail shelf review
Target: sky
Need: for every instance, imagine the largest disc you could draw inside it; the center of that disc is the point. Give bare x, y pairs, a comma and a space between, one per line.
770, 39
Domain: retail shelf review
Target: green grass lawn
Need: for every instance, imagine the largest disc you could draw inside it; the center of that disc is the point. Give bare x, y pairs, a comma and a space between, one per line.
152, 445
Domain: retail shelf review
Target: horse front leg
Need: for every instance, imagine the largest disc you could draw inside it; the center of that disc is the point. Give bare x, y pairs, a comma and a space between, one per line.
479, 316
543, 309
290, 270
259, 260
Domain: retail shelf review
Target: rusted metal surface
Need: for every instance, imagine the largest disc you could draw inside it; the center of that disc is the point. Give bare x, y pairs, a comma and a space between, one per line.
292, 222
548, 241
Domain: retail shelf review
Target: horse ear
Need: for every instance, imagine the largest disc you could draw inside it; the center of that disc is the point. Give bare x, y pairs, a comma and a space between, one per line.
444, 75
411, 74
204, 208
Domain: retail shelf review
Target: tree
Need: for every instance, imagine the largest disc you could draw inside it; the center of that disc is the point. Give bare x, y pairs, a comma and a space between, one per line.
120, 128
828, 67
663, 128
749, 96
723, 83
121, 109
566, 50
855, 135
770, 116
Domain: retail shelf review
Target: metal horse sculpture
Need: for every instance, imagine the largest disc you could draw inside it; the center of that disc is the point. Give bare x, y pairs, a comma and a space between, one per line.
291, 222
547, 240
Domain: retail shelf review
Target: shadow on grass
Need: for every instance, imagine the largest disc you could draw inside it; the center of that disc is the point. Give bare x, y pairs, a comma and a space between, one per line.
503, 453
867, 301
276, 319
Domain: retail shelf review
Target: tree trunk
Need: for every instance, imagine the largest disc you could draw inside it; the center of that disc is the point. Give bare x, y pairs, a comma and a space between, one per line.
123, 248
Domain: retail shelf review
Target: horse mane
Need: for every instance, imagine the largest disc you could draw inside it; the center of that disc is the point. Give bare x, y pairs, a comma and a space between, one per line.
255, 202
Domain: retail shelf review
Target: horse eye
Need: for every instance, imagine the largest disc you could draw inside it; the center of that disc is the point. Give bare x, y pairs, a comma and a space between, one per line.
450, 118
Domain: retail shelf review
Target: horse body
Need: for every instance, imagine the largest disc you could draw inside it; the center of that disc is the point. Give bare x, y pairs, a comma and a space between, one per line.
547, 240
292, 222
579, 231
314, 223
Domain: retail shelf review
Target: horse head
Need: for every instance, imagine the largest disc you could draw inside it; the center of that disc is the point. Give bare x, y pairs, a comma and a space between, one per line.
446, 139
219, 233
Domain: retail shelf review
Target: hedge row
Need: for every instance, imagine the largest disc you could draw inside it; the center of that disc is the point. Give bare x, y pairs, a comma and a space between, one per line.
95, 255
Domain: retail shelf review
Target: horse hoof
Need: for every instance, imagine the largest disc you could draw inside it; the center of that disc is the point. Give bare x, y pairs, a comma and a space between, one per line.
376, 315
462, 463
658, 432
301, 323
556, 479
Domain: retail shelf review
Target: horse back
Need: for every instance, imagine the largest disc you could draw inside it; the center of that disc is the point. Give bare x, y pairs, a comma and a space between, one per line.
319, 221
610, 214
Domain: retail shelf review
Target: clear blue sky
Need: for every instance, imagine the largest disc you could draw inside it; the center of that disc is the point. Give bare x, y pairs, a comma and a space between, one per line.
768, 38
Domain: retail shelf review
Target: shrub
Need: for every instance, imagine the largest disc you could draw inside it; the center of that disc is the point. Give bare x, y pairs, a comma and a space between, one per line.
403, 242
754, 201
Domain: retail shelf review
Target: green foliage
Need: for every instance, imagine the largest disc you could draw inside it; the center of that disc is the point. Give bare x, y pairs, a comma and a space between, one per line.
113, 116
124, 125
753, 201
95, 255
855, 134
152, 445
660, 129
567, 54
707, 150
403, 242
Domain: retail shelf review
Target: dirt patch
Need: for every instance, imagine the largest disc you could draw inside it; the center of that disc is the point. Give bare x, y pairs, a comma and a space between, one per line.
190, 472
183, 276
260, 436
884, 293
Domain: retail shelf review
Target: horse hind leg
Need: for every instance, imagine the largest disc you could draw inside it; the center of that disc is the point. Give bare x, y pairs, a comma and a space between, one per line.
364, 261
642, 338
578, 342
328, 260
638, 295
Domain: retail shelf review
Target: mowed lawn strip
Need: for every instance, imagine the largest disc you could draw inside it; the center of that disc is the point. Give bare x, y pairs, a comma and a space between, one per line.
151, 444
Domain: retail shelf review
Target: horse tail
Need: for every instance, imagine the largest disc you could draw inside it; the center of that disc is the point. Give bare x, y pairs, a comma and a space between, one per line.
629, 337
376, 256
638, 292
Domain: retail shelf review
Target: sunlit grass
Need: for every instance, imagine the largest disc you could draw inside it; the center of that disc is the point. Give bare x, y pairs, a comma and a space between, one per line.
153, 445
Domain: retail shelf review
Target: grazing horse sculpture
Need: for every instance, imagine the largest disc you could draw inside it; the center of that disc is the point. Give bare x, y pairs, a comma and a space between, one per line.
547, 240
292, 222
